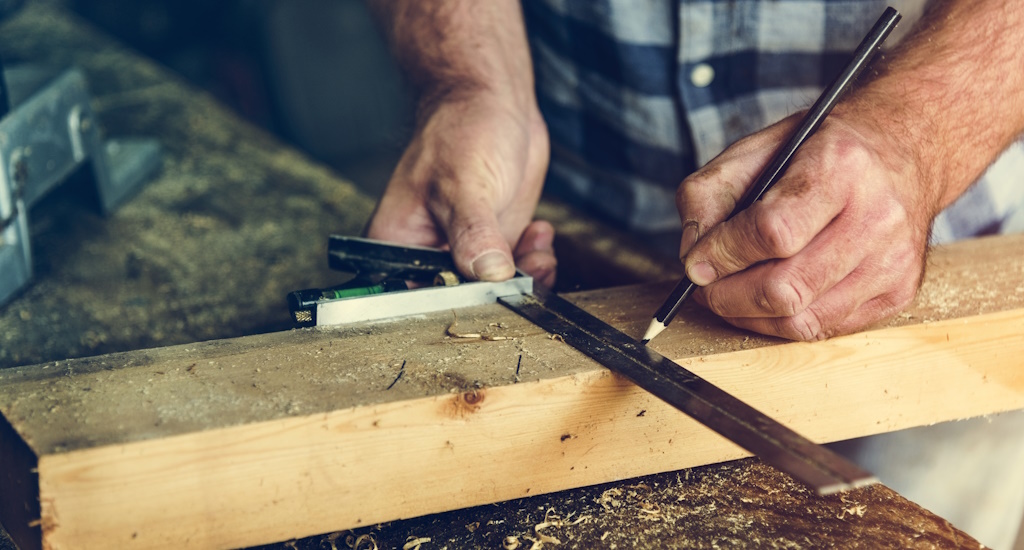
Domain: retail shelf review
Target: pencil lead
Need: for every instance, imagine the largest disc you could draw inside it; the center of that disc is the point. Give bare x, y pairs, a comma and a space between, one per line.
653, 330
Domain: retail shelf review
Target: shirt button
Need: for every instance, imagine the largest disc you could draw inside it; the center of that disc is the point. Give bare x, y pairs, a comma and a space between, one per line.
701, 75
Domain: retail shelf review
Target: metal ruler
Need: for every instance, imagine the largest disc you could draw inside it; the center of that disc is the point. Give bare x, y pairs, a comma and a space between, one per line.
817, 467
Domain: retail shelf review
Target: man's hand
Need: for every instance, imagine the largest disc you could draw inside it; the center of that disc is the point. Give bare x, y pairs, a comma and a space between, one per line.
839, 242
471, 179
836, 245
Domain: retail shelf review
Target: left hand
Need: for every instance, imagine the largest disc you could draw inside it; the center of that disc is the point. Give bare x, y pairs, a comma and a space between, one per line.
837, 244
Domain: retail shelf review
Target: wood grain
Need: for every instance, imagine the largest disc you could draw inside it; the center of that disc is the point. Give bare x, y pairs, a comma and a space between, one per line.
264, 438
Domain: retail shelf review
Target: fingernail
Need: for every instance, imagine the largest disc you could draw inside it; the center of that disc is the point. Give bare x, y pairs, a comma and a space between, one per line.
689, 239
492, 266
702, 274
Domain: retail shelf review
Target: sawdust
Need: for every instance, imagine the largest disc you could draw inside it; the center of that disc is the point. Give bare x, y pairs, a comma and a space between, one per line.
735, 505
956, 284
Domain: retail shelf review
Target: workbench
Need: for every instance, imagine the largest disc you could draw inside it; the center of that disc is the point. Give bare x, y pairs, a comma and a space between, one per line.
236, 219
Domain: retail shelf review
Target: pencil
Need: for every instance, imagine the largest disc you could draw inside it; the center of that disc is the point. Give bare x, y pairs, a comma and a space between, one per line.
774, 170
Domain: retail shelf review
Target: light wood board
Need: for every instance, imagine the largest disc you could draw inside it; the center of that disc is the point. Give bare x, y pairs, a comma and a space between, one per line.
239, 442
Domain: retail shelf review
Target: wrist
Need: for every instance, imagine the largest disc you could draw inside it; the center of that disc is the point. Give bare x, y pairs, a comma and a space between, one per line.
468, 98
905, 139
947, 98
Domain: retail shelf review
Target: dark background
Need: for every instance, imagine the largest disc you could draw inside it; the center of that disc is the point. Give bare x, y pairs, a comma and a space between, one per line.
314, 72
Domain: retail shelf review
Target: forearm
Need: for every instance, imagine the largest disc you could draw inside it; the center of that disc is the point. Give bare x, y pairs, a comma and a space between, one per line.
951, 95
457, 47
472, 174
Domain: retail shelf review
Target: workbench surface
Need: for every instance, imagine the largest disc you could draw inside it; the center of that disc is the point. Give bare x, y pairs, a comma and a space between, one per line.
235, 220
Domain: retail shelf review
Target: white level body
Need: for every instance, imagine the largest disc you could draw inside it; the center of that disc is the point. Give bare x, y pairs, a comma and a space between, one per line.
417, 301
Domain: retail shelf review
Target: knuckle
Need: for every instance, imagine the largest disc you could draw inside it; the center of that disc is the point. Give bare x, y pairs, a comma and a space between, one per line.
901, 271
851, 153
683, 192
775, 234
805, 327
899, 298
904, 296
891, 216
714, 299
786, 296
696, 188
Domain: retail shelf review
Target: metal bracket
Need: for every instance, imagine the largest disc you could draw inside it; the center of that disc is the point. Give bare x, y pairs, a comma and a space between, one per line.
50, 132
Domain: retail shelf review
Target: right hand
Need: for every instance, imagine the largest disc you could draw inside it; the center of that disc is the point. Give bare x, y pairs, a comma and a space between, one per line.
470, 181
837, 245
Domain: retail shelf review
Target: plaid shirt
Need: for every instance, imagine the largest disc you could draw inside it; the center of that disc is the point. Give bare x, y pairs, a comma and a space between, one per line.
639, 93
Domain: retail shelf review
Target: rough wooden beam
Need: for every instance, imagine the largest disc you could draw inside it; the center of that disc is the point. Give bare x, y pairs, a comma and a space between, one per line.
264, 438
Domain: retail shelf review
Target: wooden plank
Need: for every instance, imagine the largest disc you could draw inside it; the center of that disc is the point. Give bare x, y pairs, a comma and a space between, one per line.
1019, 545
264, 438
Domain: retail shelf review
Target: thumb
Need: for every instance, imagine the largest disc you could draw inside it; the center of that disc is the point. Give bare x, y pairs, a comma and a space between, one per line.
708, 196
478, 247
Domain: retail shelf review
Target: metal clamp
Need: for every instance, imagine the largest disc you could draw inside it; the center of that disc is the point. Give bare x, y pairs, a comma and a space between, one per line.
49, 132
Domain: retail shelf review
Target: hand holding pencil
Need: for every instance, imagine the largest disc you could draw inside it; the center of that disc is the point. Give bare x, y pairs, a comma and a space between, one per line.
794, 264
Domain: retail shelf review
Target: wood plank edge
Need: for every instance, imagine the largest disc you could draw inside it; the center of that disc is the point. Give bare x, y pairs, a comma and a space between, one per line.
19, 485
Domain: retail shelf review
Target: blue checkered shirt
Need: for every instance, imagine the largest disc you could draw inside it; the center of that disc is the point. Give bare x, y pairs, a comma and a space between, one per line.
639, 93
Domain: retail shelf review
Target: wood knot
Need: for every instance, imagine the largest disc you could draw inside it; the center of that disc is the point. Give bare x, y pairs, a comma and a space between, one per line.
473, 397
465, 403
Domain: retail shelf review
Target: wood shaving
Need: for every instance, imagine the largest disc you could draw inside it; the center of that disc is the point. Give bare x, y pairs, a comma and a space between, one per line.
855, 510
413, 543
649, 508
332, 538
510, 543
546, 539
474, 335
608, 500
556, 337
363, 542
653, 511
552, 519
